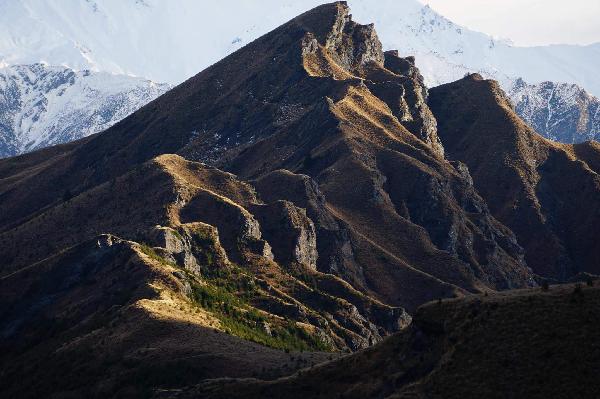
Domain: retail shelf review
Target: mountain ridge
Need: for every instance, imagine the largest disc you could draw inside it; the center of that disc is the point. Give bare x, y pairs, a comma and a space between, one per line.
444, 52
523, 186
307, 193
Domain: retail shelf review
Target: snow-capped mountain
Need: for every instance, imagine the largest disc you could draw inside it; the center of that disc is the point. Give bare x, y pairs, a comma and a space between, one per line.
562, 112
534, 77
167, 41
41, 105
446, 51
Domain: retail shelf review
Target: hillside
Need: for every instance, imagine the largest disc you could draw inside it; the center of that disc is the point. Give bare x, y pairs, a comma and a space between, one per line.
546, 192
524, 344
105, 318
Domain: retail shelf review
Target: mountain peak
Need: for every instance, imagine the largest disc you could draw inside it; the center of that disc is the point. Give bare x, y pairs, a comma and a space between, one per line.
317, 97
351, 45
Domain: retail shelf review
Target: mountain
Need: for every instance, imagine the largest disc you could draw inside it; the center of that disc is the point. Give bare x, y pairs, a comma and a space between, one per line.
296, 108
121, 37
82, 35
547, 84
42, 105
446, 51
561, 112
546, 192
526, 344
292, 202
111, 36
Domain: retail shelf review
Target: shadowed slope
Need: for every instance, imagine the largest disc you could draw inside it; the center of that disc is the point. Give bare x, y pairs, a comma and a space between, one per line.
521, 344
105, 318
547, 193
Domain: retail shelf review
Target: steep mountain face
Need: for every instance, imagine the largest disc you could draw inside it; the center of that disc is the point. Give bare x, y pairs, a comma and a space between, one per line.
527, 344
42, 106
546, 192
561, 112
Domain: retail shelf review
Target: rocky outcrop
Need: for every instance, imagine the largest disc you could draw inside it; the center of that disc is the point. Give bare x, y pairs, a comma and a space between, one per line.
289, 231
351, 45
194, 246
411, 107
334, 247
238, 229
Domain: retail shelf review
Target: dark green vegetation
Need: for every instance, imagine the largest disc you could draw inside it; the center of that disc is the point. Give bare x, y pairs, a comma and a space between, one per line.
226, 294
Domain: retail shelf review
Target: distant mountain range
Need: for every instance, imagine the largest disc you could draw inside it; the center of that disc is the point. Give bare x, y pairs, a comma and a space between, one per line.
119, 37
42, 106
559, 111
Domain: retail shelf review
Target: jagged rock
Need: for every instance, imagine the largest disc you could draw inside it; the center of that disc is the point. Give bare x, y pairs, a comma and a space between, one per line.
205, 245
167, 238
334, 248
238, 230
406, 95
105, 241
289, 231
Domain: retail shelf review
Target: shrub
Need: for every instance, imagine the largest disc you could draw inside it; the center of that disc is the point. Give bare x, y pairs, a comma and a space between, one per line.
228, 302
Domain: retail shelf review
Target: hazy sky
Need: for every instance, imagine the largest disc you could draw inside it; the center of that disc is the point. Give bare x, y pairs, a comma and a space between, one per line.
527, 22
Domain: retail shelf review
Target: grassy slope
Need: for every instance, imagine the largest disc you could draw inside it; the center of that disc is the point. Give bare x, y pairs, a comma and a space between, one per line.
518, 344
